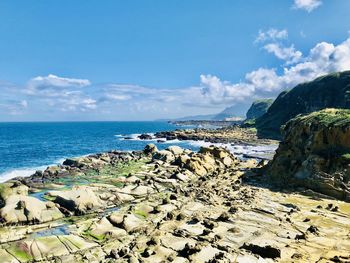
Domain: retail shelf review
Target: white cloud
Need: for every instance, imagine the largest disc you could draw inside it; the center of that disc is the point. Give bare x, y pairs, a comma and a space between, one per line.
289, 54
118, 97
308, 5
213, 92
275, 44
52, 81
271, 35
23, 103
217, 91
62, 93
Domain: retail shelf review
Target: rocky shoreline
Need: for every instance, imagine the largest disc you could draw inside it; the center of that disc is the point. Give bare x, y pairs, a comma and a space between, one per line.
172, 205
225, 135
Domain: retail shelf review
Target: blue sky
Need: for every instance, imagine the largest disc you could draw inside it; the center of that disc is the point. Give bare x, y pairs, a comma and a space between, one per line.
143, 60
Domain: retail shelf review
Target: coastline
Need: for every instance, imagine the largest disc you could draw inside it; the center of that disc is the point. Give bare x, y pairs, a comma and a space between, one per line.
159, 205
252, 150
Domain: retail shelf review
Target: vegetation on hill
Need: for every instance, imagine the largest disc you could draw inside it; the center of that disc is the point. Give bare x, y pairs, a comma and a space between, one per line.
258, 108
329, 91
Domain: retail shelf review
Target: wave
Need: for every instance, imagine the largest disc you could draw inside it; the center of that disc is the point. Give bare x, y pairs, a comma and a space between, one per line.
26, 171
135, 137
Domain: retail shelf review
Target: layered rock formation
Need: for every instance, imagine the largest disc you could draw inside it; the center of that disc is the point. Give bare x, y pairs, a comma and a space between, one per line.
330, 91
173, 205
315, 153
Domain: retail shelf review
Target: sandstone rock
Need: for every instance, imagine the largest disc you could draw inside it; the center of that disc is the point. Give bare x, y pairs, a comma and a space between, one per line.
176, 150
45, 248
80, 199
12, 188
181, 160
150, 149
164, 155
7, 257
27, 209
103, 228
132, 223
195, 165
315, 153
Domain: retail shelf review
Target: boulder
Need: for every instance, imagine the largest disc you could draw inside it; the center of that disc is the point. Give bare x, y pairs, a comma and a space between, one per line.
129, 222
81, 199
27, 209
150, 149
176, 150
103, 229
164, 155
221, 154
195, 165
12, 188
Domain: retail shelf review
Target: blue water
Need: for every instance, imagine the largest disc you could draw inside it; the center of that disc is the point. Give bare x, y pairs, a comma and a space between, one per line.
25, 147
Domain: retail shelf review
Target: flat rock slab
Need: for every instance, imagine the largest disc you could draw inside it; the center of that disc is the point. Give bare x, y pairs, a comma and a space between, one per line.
44, 248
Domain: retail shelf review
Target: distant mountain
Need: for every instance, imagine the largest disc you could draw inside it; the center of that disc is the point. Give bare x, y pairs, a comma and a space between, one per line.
195, 118
329, 91
227, 113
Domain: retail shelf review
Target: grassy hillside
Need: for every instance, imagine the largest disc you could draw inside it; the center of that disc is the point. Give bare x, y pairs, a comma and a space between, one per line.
329, 91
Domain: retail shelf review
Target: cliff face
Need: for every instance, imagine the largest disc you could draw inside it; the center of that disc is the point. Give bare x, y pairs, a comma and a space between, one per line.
330, 91
315, 153
258, 108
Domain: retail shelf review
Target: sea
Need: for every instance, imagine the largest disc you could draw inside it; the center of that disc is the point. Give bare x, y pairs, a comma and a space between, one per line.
30, 146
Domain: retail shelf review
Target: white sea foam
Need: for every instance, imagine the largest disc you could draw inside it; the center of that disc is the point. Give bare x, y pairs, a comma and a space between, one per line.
240, 150
135, 137
25, 172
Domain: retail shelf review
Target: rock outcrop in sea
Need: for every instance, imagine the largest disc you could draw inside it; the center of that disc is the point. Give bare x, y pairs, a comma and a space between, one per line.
315, 153
329, 91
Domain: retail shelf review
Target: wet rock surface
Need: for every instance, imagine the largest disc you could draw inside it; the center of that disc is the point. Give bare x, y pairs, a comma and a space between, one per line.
206, 206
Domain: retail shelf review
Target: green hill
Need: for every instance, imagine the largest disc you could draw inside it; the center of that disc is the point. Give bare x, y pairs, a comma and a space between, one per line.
258, 108
329, 91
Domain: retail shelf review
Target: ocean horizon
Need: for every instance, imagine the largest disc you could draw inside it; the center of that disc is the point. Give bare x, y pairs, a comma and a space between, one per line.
29, 146
26, 147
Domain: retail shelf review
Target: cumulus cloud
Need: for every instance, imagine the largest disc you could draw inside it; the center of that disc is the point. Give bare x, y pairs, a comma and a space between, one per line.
217, 91
307, 5
323, 58
211, 94
288, 54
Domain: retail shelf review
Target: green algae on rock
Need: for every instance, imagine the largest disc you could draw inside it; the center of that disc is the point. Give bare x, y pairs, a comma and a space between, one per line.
314, 153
